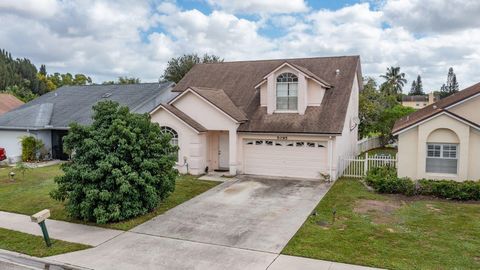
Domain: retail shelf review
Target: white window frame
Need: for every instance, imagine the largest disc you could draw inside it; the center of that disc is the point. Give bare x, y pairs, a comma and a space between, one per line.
289, 80
174, 137
432, 154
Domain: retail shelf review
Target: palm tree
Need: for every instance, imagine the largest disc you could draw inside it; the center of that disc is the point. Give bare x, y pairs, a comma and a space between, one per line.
394, 80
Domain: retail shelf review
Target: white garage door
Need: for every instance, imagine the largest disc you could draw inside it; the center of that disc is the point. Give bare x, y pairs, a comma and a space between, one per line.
304, 159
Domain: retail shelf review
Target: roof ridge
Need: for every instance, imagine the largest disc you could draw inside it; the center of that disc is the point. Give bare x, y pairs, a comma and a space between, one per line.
280, 59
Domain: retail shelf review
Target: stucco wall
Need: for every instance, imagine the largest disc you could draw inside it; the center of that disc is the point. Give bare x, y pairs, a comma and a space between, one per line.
315, 93
263, 95
474, 158
346, 145
10, 140
469, 110
407, 153
192, 145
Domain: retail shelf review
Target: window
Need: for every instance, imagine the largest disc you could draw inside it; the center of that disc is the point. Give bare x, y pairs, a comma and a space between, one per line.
269, 142
258, 142
310, 144
173, 137
287, 92
300, 144
442, 158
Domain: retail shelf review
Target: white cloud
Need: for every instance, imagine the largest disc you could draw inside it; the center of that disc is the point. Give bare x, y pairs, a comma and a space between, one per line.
263, 6
427, 16
32, 8
107, 39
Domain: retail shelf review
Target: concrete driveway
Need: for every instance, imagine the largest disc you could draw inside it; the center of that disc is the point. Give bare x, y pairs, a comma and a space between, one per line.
252, 213
240, 224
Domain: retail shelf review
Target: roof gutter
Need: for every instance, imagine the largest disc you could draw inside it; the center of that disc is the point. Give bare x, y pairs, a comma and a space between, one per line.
289, 133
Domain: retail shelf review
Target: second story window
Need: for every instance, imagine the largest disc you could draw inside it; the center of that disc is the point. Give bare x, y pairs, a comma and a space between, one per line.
287, 92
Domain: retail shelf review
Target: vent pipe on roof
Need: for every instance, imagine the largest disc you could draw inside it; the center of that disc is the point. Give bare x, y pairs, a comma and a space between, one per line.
337, 72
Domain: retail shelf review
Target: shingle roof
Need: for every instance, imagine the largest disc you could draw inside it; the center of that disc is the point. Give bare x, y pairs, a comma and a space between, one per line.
415, 98
238, 80
435, 108
184, 117
74, 104
8, 102
218, 98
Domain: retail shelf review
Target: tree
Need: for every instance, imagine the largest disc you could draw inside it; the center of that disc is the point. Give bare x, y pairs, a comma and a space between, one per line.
387, 119
417, 87
372, 103
394, 81
451, 87
43, 70
122, 166
178, 67
124, 80
20, 92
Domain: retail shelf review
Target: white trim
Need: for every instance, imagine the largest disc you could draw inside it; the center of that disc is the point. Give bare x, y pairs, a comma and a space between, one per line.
292, 67
165, 109
260, 83
286, 111
462, 101
190, 90
435, 116
290, 134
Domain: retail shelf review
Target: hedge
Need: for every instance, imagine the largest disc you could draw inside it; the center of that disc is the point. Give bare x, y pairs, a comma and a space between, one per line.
385, 180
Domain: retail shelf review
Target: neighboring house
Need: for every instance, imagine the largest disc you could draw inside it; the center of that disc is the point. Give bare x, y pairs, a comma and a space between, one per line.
442, 141
48, 117
290, 117
8, 102
418, 102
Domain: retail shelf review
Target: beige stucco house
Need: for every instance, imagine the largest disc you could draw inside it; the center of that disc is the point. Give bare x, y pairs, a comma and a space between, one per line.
288, 117
442, 141
419, 102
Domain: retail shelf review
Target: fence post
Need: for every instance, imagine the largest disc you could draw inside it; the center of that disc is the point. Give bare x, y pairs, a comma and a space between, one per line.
365, 166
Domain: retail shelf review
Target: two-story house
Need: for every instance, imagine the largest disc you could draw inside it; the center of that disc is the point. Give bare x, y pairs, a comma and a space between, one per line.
288, 117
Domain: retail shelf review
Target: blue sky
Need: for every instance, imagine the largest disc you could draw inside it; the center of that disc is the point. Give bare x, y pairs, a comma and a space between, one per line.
110, 38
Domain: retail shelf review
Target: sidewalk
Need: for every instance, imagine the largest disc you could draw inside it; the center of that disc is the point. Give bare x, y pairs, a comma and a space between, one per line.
61, 230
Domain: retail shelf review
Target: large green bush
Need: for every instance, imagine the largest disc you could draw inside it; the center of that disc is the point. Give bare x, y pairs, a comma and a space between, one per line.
30, 148
121, 166
385, 180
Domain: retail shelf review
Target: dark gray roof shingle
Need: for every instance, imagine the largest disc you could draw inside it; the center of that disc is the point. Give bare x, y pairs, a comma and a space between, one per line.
69, 104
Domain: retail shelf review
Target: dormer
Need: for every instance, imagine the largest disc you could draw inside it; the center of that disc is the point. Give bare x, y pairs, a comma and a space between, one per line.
291, 88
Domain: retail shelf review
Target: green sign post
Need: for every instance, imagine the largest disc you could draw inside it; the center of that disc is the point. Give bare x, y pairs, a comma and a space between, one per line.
40, 218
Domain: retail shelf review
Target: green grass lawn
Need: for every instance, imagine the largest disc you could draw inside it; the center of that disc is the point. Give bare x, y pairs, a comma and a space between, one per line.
30, 194
35, 245
390, 231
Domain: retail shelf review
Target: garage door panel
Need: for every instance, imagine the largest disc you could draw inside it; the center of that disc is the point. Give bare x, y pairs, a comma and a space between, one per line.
305, 160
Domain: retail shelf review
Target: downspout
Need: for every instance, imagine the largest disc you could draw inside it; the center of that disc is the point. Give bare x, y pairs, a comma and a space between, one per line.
330, 157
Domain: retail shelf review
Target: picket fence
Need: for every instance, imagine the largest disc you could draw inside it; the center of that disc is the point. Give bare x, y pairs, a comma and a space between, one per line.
359, 166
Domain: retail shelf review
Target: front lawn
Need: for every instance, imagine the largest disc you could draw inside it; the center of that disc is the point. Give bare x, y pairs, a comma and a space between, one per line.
390, 231
35, 245
30, 194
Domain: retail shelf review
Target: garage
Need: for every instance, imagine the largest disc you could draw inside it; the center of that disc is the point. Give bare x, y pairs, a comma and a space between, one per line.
305, 159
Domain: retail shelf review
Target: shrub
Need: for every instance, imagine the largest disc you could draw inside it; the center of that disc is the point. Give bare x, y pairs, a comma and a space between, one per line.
385, 180
468, 190
122, 166
30, 148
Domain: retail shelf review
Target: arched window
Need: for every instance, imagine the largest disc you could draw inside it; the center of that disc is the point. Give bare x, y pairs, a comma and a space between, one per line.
287, 92
173, 135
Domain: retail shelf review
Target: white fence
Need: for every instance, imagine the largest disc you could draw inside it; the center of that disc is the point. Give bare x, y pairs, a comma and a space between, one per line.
368, 144
359, 166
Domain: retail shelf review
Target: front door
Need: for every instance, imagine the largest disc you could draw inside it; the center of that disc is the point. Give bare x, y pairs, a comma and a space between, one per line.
223, 151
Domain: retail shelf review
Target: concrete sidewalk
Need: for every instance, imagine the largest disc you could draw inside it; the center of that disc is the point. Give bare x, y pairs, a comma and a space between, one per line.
60, 230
